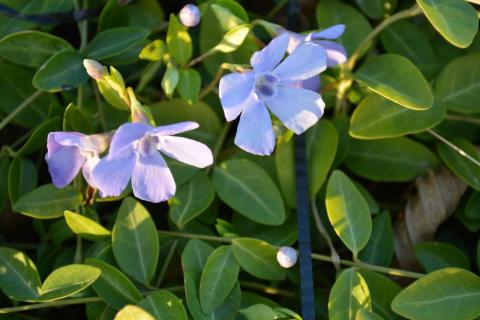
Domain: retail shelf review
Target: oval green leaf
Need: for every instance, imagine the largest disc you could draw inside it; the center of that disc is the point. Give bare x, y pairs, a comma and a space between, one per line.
233, 38
84, 227
382, 291
436, 255
68, 280
135, 241
248, 189
258, 258
379, 118
163, 305
179, 42
22, 178
48, 202
380, 248
396, 78
285, 167
348, 212
131, 312
189, 85
38, 138
449, 293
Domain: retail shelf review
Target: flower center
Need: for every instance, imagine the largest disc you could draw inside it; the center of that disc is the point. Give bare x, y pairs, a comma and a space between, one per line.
266, 85
147, 145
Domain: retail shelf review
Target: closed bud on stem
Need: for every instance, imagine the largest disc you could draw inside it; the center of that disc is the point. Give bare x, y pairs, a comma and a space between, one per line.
287, 257
190, 15
94, 69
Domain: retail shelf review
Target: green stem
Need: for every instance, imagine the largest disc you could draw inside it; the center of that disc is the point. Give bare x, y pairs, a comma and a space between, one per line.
413, 11
454, 147
333, 253
455, 117
219, 144
279, 6
166, 264
201, 57
20, 108
315, 256
267, 289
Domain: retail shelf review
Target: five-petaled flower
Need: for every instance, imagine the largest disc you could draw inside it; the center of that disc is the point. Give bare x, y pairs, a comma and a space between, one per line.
68, 152
133, 156
273, 85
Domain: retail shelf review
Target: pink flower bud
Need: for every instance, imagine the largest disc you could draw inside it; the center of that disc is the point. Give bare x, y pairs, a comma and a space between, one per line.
94, 69
287, 257
190, 15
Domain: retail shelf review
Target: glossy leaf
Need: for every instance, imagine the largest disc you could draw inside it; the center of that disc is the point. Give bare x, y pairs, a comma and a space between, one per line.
63, 71
379, 118
258, 312
472, 207
179, 42
348, 212
19, 278
449, 293
163, 305
75, 119
435, 255
140, 13
377, 9
233, 39
68, 280
398, 159
461, 166
456, 21
114, 41
189, 85
192, 199
31, 48
285, 167
348, 295
113, 286
382, 291
38, 138
257, 258
380, 247
218, 278
84, 227
4, 166
22, 178
48, 202
386, 75
135, 241
130, 312
364, 314
248, 189
170, 79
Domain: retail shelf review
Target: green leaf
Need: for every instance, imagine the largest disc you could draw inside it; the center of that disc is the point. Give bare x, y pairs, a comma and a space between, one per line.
449, 293
99, 311
68, 280
407, 39
248, 189
322, 142
379, 118
62, 71
170, 79
74, 119
218, 278
372, 204
364, 314
377, 9
258, 258
130, 312
357, 26
233, 38
382, 291
154, 51
48, 202
258, 312
179, 42
436, 255
164, 305
138, 13
456, 21
135, 241
398, 159
4, 165
348, 212
22, 178
31, 48
38, 138
285, 167
113, 286
189, 85
191, 199
380, 248
84, 227
461, 166
114, 41
19, 278
386, 75
458, 84
348, 295
472, 208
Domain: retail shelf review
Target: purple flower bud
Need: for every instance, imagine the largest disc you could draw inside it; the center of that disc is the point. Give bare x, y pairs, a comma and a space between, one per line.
94, 69
287, 257
190, 15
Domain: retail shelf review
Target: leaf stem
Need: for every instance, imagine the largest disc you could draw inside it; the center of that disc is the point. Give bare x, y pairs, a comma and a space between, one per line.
20, 108
219, 143
166, 264
315, 256
455, 117
454, 147
201, 57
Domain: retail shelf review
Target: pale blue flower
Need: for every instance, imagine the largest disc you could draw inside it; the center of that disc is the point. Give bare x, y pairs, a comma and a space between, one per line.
272, 85
133, 155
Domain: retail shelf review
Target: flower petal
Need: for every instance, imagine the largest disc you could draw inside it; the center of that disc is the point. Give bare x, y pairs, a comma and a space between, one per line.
297, 108
294, 41
270, 56
151, 178
234, 90
174, 128
306, 61
64, 164
332, 32
254, 131
87, 169
112, 173
126, 134
58, 139
313, 84
336, 53
186, 150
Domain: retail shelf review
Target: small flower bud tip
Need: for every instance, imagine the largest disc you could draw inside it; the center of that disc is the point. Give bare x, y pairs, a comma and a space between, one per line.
287, 257
190, 15
94, 69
